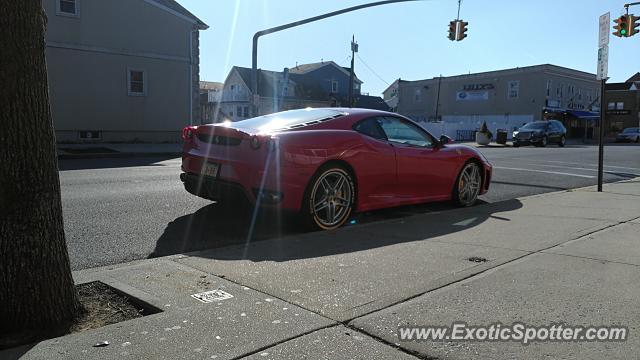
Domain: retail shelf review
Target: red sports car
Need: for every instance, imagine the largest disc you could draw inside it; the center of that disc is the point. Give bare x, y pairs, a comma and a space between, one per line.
328, 163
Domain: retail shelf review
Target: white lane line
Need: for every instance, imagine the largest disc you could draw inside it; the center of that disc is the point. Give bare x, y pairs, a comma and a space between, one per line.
581, 168
544, 171
573, 163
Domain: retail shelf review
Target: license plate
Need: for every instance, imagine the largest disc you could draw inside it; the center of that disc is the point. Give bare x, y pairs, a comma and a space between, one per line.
210, 169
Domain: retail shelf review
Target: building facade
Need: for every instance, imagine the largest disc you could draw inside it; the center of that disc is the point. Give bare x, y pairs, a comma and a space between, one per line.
210, 97
122, 70
504, 99
623, 105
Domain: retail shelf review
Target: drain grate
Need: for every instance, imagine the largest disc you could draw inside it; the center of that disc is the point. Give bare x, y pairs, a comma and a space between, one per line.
477, 259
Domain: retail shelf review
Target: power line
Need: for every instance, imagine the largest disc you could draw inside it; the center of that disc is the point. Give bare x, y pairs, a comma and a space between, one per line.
370, 69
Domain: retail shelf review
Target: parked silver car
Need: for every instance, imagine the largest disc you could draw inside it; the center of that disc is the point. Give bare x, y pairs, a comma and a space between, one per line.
629, 135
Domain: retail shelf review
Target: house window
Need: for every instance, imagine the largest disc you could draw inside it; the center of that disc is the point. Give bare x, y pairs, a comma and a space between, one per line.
417, 95
285, 91
246, 111
611, 106
67, 7
619, 106
334, 86
233, 87
513, 89
548, 87
579, 94
137, 82
239, 111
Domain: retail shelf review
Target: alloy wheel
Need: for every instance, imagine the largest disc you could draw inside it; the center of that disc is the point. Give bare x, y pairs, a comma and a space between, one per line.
331, 198
469, 184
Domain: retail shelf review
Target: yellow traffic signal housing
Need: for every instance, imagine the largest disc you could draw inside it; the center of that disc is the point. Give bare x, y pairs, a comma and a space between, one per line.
462, 29
621, 26
634, 24
452, 30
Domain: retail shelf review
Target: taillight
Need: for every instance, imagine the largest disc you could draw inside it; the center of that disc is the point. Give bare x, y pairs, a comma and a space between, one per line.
188, 132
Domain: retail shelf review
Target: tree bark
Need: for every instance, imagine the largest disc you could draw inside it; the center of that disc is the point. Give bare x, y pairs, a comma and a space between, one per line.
37, 293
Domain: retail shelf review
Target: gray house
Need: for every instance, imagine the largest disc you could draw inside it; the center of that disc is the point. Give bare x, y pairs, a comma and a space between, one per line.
322, 84
122, 70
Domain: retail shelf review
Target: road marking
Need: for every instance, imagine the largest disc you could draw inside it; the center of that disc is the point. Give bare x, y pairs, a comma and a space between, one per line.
544, 171
573, 163
581, 168
465, 222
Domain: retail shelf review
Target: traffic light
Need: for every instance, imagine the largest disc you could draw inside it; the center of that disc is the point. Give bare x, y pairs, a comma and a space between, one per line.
453, 24
622, 26
634, 24
457, 30
462, 29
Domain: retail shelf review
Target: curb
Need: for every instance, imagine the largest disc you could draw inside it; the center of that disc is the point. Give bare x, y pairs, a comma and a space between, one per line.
116, 155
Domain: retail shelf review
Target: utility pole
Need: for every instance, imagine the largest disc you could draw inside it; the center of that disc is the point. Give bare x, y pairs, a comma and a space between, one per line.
256, 36
354, 50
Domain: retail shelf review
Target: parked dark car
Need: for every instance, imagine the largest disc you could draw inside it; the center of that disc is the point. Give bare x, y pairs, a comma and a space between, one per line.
629, 135
540, 133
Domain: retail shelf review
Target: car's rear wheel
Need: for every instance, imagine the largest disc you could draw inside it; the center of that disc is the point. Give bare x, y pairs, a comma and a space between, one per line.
468, 183
329, 199
562, 141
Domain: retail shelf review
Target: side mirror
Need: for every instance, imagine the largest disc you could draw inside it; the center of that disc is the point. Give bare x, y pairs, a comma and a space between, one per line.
444, 140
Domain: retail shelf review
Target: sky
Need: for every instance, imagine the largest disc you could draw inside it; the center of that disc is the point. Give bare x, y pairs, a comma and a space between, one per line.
409, 40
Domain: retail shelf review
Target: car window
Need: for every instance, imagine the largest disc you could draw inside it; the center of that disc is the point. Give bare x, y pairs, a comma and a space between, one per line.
535, 126
370, 128
403, 132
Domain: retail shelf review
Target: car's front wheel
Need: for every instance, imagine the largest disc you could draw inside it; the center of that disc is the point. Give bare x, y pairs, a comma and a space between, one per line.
468, 183
562, 141
543, 142
330, 198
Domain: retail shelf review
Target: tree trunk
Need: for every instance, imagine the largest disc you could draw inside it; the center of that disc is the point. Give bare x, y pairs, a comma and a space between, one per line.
37, 293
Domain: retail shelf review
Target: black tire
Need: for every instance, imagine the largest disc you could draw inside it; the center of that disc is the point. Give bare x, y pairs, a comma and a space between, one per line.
337, 204
460, 197
638, 139
515, 144
562, 141
543, 142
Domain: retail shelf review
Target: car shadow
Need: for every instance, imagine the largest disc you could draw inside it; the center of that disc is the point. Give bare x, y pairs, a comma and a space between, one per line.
230, 234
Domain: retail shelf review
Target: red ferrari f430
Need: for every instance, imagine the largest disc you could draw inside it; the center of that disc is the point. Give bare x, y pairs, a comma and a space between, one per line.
329, 163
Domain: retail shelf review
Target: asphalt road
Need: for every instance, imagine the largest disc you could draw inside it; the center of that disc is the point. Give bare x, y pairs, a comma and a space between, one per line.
117, 210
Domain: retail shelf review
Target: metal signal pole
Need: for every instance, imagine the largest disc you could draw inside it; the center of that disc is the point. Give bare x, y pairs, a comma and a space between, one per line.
256, 36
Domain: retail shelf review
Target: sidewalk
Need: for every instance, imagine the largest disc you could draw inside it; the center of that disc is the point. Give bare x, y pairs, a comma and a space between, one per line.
117, 150
570, 256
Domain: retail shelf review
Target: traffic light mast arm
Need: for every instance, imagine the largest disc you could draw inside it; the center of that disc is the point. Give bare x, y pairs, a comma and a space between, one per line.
626, 6
256, 36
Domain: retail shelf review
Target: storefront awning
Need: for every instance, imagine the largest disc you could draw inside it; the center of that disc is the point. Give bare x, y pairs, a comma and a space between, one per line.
590, 115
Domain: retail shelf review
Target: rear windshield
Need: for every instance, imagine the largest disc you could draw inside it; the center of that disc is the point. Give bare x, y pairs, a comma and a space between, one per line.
535, 125
630, 130
286, 119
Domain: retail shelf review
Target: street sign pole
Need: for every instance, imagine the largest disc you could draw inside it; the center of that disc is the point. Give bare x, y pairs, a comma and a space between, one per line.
601, 135
603, 67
